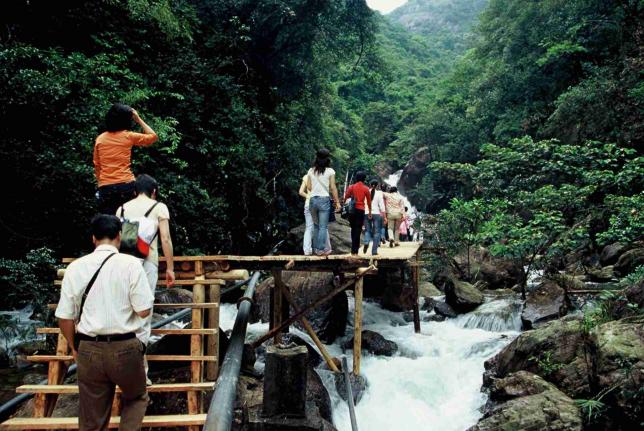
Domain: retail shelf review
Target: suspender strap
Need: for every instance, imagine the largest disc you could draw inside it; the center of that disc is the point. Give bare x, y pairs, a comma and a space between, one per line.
90, 284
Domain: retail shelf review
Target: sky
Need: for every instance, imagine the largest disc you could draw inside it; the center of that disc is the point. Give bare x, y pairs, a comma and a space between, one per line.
385, 6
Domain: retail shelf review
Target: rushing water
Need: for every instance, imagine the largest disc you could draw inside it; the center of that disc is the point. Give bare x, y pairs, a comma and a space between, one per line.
433, 382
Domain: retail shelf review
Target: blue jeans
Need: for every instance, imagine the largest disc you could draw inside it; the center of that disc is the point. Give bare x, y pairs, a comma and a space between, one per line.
372, 229
320, 208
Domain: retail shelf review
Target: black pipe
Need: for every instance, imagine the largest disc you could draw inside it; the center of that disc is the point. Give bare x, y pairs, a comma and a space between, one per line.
220, 411
10, 406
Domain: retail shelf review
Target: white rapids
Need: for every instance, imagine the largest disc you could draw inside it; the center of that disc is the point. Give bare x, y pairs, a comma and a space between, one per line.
433, 382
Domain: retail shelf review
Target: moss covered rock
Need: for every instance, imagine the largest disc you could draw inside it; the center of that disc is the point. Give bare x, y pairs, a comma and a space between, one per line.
462, 296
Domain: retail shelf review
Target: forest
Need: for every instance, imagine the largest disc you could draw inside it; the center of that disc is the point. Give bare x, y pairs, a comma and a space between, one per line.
531, 114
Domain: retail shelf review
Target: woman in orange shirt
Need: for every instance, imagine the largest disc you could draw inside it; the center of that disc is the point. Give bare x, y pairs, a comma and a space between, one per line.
113, 155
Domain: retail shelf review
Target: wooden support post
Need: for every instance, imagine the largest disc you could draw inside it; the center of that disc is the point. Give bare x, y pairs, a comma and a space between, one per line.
309, 329
116, 404
195, 398
55, 376
357, 325
212, 343
279, 308
415, 281
271, 333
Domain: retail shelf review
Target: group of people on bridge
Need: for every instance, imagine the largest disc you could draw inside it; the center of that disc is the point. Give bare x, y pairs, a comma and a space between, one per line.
377, 210
105, 306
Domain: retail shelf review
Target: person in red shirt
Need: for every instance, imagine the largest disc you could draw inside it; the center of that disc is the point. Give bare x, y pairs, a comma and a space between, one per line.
360, 194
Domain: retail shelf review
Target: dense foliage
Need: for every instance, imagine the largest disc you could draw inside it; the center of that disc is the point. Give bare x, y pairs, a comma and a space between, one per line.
232, 87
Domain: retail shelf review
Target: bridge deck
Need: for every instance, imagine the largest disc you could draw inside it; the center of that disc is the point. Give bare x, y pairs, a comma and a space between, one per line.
387, 256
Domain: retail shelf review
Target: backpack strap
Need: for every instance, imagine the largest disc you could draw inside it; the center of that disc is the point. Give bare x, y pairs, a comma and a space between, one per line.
312, 175
122, 211
90, 284
147, 214
151, 208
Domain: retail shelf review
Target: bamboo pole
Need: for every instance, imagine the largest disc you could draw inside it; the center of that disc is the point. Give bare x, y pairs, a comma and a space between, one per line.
212, 343
361, 273
415, 283
309, 329
357, 326
196, 347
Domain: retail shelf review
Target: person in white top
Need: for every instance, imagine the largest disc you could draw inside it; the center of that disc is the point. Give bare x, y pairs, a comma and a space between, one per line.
321, 183
102, 328
395, 210
146, 205
308, 219
373, 225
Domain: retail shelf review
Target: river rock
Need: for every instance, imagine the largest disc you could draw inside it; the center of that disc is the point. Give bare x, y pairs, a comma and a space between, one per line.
628, 261
444, 309
173, 295
428, 289
415, 169
358, 386
428, 304
602, 274
527, 402
329, 320
495, 272
462, 296
635, 294
610, 254
374, 343
556, 351
618, 362
339, 235
545, 303
392, 288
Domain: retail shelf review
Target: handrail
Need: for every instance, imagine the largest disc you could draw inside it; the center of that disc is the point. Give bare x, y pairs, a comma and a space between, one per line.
220, 411
10, 406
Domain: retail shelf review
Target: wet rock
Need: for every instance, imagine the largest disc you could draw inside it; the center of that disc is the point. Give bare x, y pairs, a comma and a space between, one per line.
328, 320
618, 361
495, 272
569, 282
462, 296
628, 261
392, 288
428, 304
339, 235
173, 295
358, 386
545, 303
374, 343
415, 169
635, 294
444, 309
601, 275
556, 351
434, 318
428, 289
610, 254
529, 403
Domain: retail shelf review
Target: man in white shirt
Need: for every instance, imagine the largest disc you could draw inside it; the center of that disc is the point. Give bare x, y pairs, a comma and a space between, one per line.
102, 327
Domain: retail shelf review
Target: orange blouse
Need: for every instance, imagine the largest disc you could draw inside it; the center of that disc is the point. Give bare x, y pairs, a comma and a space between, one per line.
113, 155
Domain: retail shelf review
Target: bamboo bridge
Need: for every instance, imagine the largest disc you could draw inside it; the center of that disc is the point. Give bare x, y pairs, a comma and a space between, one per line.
206, 275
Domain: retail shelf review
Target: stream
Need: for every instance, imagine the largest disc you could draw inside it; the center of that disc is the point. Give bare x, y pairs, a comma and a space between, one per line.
433, 381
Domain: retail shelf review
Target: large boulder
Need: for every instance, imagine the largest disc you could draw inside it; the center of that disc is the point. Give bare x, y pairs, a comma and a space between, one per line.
495, 272
628, 261
601, 274
392, 288
415, 169
426, 288
527, 402
635, 294
610, 254
556, 351
339, 235
329, 320
375, 344
546, 302
443, 309
618, 348
462, 296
